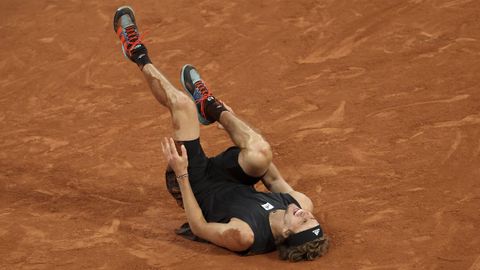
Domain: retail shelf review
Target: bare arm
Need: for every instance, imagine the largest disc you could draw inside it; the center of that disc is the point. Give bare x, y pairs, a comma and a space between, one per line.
275, 182
235, 235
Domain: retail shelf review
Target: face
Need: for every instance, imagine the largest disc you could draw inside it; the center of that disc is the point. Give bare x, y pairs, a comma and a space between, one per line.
297, 219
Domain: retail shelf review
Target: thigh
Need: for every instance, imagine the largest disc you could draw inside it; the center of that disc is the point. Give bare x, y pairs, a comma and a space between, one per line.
227, 162
197, 167
197, 160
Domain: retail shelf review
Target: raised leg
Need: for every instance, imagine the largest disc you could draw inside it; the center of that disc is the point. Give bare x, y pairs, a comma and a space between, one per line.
255, 155
182, 109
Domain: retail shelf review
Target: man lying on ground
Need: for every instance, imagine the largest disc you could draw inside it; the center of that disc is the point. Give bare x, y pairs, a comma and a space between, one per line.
220, 201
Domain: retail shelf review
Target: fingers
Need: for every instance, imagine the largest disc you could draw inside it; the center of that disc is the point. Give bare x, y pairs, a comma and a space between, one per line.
173, 149
184, 151
168, 146
166, 149
178, 162
170, 151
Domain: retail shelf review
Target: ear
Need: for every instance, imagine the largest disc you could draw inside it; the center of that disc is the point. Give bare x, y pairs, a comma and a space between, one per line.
286, 232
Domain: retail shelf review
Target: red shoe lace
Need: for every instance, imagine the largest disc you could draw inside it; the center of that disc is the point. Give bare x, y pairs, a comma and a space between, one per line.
132, 40
200, 85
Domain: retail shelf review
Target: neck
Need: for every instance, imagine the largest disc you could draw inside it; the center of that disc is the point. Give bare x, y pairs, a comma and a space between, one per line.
276, 224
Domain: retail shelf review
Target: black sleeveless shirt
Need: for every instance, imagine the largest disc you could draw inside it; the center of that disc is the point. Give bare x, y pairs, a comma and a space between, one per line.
233, 200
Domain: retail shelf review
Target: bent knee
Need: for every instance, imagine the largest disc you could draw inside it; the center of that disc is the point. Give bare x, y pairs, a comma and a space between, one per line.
257, 158
263, 151
181, 101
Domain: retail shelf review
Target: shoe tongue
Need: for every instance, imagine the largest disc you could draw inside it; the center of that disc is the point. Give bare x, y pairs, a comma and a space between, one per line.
194, 76
125, 21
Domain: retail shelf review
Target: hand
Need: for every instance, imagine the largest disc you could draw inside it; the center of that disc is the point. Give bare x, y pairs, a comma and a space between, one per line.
179, 163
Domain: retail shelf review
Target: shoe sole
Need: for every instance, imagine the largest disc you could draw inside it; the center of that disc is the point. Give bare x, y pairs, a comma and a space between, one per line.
120, 12
201, 119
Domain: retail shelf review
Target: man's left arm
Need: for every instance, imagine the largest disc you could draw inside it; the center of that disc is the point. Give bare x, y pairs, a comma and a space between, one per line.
275, 182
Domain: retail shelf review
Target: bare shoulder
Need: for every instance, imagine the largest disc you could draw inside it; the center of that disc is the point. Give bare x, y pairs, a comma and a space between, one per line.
302, 199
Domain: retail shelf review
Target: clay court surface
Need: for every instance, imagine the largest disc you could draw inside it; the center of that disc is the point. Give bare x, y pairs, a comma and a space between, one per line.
372, 109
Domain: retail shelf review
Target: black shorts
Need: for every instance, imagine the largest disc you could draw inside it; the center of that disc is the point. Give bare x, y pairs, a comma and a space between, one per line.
207, 174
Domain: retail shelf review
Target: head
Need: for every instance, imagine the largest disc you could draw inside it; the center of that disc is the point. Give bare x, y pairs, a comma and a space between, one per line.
302, 237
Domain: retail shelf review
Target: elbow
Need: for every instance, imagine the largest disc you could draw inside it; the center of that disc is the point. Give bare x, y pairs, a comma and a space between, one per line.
238, 240
196, 229
248, 241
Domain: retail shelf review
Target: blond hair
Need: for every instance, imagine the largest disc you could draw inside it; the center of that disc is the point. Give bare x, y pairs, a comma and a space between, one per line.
308, 251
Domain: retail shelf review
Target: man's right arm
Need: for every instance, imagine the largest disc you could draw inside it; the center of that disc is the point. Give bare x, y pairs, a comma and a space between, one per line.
234, 235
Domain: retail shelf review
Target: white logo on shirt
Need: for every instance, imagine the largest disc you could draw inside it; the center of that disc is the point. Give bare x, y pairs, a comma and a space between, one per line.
267, 206
316, 232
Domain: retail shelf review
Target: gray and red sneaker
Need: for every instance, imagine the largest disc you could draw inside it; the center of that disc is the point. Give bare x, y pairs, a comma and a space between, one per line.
209, 108
126, 28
